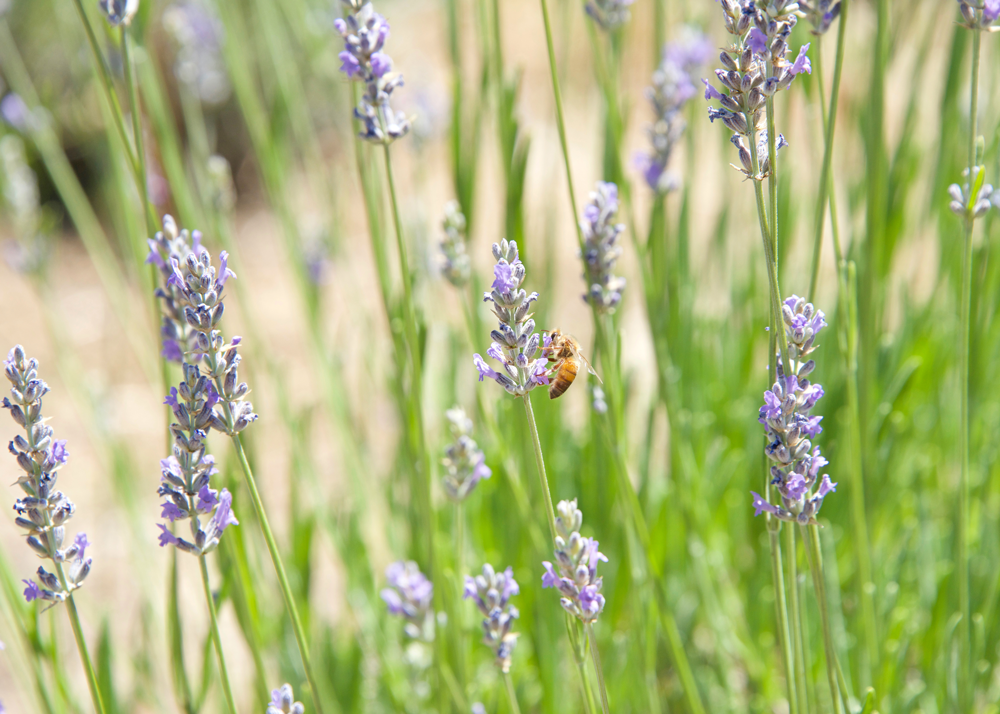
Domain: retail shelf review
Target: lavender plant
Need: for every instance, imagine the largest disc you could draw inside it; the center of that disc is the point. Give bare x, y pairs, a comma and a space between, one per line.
601, 249
980, 15
166, 247
790, 425
410, 595
43, 511
464, 462
516, 346
753, 70
455, 264
575, 577
198, 36
283, 702
672, 87
365, 32
491, 592
119, 12
820, 13
970, 201
609, 14
575, 571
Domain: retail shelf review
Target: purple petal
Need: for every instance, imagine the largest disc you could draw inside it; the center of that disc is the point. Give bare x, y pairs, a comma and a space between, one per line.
826, 486
760, 505
166, 537
32, 592
802, 63
757, 41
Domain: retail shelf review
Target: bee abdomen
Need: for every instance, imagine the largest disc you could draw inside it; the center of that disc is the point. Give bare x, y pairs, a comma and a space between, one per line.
564, 378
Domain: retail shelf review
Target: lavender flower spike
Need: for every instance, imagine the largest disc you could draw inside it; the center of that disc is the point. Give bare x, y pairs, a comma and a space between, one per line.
119, 12
970, 203
575, 571
365, 32
672, 88
210, 396
790, 426
601, 248
464, 462
609, 14
455, 265
753, 70
283, 702
43, 511
515, 344
492, 592
165, 247
980, 15
410, 595
820, 13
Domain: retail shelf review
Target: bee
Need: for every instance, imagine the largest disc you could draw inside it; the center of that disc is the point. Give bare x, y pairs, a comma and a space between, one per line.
564, 352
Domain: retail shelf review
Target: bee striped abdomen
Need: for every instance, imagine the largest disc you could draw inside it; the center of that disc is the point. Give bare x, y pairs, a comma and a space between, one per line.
564, 377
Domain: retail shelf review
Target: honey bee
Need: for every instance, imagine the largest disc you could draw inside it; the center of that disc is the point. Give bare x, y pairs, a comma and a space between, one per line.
564, 352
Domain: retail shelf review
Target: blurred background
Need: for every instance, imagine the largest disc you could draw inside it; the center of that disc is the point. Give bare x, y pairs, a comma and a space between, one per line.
249, 138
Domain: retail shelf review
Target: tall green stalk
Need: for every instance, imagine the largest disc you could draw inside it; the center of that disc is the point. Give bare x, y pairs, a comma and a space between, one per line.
965, 682
829, 123
810, 534
596, 656
511, 693
279, 567
416, 369
216, 638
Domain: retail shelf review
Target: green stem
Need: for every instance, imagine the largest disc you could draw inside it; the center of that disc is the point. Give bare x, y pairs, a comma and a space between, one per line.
511, 693
773, 525
540, 463
560, 118
416, 369
781, 610
141, 181
279, 568
81, 645
811, 536
798, 643
965, 682
108, 85
216, 638
829, 126
596, 656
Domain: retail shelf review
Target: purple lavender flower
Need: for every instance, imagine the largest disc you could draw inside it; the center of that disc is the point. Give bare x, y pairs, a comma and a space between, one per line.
601, 248
410, 595
755, 69
210, 396
464, 462
609, 14
43, 511
165, 247
790, 426
119, 12
515, 344
365, 32
821, 13
575, 571
672, 88
198, 36
492, 592
968, 203
455, 265
283, 702
980, 15
16, 113
186, 473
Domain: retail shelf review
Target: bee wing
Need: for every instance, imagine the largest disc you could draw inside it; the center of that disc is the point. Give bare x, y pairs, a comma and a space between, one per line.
590, 367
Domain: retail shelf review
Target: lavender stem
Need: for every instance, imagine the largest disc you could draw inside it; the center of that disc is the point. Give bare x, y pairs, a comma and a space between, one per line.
511, 693
279, 568
811, 536
596, 656
540, 463
226, 687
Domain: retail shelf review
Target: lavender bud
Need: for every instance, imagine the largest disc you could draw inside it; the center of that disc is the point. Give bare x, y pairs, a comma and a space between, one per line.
283, 702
